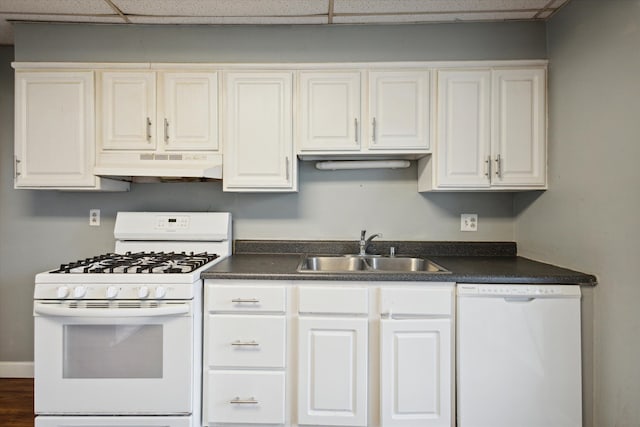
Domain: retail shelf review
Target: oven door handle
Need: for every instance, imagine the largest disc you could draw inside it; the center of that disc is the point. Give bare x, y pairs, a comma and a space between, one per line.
53, 310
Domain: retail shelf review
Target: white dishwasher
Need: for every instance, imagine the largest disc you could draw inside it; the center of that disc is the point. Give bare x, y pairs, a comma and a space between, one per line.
518, 356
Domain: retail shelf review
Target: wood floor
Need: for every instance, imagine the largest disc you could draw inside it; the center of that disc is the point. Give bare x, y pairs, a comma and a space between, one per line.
16, 402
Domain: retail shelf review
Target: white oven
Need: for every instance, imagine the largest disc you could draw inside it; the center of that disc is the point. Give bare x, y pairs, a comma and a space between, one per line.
118, 357
118, 336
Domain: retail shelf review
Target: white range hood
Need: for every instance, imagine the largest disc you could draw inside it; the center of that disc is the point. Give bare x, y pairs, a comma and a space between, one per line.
151, 165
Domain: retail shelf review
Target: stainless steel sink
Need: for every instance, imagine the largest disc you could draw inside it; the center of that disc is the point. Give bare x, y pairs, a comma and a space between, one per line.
368, 264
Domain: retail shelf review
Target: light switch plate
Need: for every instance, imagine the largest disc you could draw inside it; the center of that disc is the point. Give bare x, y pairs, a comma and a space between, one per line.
468, 222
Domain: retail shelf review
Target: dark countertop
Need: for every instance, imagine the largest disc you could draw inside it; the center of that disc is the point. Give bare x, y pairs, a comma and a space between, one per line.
463, 268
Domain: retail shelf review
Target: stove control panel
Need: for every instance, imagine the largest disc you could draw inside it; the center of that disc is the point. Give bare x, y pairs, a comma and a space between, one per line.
172, 222
114, 292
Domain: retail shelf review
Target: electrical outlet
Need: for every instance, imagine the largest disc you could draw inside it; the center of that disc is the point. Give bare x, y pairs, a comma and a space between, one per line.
94, 217
468, 222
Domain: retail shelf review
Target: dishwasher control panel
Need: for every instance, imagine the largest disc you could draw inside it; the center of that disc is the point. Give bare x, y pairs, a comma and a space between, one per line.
521, 290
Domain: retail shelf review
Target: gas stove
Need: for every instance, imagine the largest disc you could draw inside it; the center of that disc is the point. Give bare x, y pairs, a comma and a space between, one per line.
157, 255
112, 327
138, 262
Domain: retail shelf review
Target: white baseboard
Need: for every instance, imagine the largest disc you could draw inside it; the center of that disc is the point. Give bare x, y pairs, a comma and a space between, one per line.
16, 369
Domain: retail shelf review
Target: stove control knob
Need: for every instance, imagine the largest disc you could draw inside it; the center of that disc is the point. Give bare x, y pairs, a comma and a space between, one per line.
160, 292
63, 292
112, 292
79, 291
143, 292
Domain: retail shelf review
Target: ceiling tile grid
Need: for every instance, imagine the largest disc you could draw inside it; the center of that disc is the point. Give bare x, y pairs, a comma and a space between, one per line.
269, 12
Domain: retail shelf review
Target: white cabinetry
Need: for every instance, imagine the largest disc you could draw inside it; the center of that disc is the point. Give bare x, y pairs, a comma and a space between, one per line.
54, 132
332, 356
345, 113
330, 108
163, 120
258, 143
416, 356
244, 354
491, 131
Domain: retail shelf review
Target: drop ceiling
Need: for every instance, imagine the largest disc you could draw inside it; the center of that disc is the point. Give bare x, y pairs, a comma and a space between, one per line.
269, 12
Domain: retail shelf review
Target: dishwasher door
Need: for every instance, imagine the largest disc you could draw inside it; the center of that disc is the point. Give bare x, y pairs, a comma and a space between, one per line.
518, 356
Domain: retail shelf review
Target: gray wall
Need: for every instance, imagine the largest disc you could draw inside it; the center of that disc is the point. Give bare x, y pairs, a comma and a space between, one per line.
588, 219
41, 229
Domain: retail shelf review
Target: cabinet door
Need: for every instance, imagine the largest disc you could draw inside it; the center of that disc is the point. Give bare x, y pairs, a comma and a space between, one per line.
128, 110
332, 380
54, 129
416, 372
258, 151
244, 397
519, 128
189, 116
329, 111
399, 110
463, 133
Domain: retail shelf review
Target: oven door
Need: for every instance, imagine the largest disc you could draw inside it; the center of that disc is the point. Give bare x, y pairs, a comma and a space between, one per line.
100, 358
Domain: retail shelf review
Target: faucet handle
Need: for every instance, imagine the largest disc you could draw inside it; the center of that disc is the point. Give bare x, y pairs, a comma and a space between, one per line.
363, 233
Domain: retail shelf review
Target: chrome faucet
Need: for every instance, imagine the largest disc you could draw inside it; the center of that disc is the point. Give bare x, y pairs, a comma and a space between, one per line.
365, 242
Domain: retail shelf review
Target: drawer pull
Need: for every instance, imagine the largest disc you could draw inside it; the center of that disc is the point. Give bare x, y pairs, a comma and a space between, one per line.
238, 401
245, 343
245, 301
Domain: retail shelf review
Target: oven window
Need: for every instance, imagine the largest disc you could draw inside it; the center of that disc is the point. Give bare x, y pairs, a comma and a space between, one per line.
113, 351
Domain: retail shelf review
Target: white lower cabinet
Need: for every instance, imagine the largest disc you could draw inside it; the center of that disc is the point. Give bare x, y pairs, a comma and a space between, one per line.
332, 364
416, 357
251, 397
332, 355
245, 342
320, 353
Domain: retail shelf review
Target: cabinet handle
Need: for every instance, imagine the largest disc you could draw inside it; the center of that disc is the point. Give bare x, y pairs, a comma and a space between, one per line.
166, 130
245, 343
16, 162
499, 166
356, 128
245, 300
237, 401
287, 166
487, 167
373, 132
148, 129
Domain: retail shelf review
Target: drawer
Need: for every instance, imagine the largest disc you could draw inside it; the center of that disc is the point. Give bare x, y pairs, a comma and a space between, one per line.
333, 300
245, 397
245, 298
246, 341
435, 301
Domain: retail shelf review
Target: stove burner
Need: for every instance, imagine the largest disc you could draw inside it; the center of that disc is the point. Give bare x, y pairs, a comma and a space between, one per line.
139, 262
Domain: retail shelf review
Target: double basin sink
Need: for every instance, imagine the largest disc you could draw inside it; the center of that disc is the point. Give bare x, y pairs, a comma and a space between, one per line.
368, 263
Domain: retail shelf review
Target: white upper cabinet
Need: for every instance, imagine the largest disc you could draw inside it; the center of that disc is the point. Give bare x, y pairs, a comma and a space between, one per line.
330, 111
54, 132
128, 110
519, 128
258, 143
491, 131
358, 112
149, 111
399, 110
464, 128
188, 107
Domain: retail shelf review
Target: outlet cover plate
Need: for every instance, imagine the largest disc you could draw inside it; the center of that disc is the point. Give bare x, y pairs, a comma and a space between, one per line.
468, 222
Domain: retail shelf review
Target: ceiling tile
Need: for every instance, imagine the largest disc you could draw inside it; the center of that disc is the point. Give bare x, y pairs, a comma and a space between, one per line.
390, 6
67, 18
438, 17
76, 7
204, 20
223, 8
